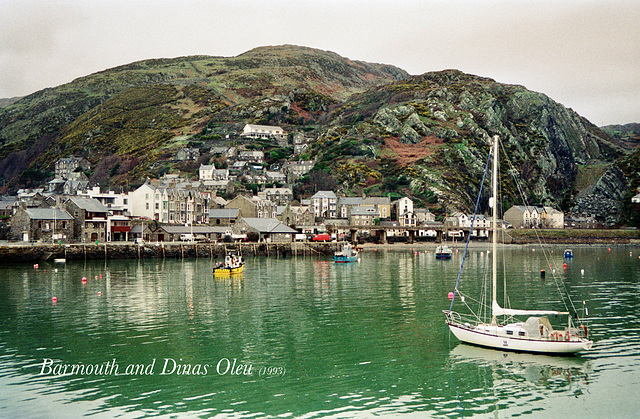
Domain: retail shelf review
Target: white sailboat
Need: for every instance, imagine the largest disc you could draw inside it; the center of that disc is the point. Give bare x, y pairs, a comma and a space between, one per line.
503, 331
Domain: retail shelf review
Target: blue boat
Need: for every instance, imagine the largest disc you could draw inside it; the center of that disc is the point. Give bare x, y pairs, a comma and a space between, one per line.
443, 252
568, 253
347, 254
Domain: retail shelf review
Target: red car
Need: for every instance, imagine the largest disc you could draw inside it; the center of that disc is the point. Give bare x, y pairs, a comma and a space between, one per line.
321, 238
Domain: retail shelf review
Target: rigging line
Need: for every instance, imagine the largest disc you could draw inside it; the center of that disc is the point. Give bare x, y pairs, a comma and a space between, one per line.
539, 238
473, 219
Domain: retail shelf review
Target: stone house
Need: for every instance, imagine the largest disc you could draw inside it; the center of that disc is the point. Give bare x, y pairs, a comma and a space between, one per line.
363, 216
345, 203
223, 216
424, 215
297, 216
247, 208
65, 166
381, 203
279, 196
90, 218
296, 169
251, 156
186, 153
42, 224
275, 176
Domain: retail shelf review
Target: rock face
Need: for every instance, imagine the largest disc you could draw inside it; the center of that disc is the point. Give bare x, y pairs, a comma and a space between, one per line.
605, 199
543, 140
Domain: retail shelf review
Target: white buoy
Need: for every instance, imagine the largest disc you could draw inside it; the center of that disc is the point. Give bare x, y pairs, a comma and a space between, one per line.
582, 272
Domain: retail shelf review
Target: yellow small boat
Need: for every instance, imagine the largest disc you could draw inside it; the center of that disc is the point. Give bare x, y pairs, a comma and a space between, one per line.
233, 264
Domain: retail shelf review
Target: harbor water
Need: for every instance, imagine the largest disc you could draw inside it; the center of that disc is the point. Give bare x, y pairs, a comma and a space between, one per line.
305, 337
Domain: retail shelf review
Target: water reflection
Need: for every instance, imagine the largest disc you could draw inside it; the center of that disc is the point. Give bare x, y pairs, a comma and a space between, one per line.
496, 381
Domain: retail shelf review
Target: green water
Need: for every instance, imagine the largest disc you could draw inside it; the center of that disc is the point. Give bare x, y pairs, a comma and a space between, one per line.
305, 337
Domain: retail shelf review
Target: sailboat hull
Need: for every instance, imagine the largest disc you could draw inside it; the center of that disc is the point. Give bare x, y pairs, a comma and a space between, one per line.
493, 339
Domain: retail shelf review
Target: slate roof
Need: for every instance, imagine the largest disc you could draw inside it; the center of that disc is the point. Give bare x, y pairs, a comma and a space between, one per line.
89, 204
268, 225
48, 214
224, 213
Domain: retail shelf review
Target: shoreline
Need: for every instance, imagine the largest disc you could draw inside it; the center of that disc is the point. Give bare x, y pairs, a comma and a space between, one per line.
36, 252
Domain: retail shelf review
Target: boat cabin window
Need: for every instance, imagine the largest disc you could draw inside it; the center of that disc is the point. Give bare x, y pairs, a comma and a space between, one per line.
522, 333
509, 332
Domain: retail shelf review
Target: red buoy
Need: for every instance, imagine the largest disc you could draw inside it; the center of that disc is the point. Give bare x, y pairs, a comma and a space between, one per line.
450, 295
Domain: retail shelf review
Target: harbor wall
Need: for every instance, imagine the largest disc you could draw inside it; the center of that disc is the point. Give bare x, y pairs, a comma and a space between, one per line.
86, 251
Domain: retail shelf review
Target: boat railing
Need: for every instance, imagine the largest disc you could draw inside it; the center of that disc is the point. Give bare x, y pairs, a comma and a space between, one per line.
465, 320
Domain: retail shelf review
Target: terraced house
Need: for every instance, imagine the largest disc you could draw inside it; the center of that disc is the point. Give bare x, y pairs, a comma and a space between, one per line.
170, 205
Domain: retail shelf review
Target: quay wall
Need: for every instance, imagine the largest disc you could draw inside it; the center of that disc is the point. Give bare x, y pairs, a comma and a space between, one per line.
86, 251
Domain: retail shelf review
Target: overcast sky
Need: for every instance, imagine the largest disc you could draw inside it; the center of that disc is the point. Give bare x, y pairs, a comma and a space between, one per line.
583, 54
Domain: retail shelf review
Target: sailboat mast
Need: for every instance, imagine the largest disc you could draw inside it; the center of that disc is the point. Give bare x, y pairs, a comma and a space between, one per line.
494, 253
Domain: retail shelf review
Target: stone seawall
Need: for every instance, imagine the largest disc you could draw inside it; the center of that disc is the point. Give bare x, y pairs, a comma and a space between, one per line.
50, 252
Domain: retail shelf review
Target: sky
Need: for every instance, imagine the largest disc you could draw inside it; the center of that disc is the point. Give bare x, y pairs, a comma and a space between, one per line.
583, 54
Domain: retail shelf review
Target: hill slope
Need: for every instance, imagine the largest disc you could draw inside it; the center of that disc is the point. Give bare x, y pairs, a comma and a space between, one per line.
116, 105
377, 129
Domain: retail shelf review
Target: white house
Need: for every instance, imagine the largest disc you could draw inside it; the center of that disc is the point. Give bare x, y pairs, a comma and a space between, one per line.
262, 131
325, 204
205, 172
401, 207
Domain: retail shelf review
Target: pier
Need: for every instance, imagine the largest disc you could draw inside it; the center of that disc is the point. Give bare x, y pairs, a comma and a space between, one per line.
174, 250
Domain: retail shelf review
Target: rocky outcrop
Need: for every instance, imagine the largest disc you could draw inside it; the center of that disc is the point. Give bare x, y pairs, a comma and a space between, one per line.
604, 200
544, 140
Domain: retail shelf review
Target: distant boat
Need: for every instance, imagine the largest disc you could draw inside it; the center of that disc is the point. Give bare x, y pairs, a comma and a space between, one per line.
568, 253
501, 330
443, 252
347, 254
233, 264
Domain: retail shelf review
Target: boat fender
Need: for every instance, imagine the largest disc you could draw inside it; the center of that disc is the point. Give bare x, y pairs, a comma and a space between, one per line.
567, 336
584, 329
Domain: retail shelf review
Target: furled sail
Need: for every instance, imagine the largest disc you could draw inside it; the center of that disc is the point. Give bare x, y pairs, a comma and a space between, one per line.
496, 310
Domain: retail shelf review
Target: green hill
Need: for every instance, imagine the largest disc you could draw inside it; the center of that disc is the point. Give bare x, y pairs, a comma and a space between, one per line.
377, 129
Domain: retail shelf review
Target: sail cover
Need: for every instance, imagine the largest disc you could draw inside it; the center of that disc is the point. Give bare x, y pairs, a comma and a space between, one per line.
499, 311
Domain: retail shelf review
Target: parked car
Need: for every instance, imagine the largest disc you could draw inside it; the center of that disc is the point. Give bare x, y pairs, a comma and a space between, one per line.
322, 237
